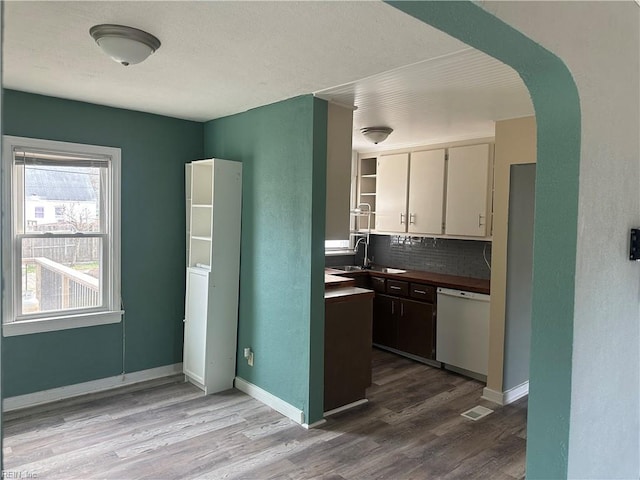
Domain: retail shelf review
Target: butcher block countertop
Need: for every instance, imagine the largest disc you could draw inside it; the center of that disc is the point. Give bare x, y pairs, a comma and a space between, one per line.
469, 284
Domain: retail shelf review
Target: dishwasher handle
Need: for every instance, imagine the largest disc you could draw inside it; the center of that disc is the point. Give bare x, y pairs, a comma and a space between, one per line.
463, 294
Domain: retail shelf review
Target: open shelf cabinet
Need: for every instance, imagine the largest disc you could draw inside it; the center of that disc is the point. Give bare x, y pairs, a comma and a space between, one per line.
213, 269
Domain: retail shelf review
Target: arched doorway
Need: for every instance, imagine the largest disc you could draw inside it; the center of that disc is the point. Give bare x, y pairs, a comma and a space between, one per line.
555, 98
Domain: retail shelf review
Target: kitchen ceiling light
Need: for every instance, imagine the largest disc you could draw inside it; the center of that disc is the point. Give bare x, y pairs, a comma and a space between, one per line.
376, 134
126, 45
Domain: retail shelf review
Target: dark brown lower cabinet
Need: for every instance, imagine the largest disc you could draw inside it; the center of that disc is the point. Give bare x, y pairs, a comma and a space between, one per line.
405, 325
385, 321
362, 281
347, 350
416, 329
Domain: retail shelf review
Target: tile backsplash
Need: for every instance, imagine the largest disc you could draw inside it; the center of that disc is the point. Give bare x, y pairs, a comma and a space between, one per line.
439, 255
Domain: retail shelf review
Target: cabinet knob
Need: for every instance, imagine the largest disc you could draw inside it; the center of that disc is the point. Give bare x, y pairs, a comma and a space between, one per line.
412, 218
480, 217
401, 218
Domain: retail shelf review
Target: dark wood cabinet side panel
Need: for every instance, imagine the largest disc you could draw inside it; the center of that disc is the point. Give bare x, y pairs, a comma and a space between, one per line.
362, 281
347, 359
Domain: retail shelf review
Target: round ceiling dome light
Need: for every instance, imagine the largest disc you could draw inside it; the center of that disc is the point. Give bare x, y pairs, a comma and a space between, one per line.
125, 45
376, 134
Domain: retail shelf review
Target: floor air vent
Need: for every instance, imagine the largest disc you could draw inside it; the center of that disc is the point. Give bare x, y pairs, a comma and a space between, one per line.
476, 413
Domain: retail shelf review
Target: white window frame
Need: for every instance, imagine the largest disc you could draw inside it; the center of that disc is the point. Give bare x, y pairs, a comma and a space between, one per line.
111, 311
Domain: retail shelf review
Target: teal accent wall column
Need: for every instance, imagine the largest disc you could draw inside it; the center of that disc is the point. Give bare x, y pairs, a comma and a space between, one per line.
154, 151
555, 98
318, 224
283, 151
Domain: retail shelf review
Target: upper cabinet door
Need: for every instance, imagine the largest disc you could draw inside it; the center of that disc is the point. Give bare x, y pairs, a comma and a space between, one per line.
426, 192
468, 191
391, 193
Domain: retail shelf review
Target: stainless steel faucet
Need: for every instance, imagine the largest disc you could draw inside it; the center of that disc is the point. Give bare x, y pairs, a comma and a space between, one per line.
365, 261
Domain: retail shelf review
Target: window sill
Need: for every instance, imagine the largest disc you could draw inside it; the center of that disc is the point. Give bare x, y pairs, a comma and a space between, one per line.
331, 253
53, 324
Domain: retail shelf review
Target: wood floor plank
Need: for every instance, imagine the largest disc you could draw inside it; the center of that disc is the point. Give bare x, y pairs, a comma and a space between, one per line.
410, 429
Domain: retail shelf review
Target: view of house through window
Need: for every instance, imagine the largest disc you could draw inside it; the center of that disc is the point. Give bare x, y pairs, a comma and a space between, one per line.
62, 270
62, 233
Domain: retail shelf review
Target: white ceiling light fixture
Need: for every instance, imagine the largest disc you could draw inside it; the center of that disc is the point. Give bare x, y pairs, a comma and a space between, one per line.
376, 134
126, 45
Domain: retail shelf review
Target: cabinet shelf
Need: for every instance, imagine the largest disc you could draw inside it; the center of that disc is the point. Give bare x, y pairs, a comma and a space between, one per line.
203, 239
367, 190
363, 214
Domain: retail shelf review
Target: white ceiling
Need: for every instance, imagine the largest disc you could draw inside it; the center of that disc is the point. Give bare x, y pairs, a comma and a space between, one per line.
221, 58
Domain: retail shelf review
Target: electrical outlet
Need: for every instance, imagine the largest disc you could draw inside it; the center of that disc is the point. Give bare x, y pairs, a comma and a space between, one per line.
248, 354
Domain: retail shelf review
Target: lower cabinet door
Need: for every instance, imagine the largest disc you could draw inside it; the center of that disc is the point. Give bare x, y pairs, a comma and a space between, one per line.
195, 326
416, 328
385, 320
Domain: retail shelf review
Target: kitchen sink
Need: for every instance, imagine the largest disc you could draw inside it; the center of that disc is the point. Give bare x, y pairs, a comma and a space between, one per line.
357, 268
388, 270
349, 268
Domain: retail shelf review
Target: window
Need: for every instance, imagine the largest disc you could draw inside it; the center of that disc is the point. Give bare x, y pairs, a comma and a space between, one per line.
61, 266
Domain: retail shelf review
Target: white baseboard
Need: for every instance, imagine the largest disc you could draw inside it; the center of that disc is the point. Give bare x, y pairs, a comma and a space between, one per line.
492, 395
270, 400
94, 386
507, 397
516, 393
348, 406
314, 424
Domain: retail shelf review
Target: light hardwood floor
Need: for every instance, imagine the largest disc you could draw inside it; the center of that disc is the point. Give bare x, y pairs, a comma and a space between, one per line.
411, 429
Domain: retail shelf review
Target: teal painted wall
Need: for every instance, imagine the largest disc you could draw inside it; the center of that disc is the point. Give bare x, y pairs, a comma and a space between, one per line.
154, 150
555, 98
283, 151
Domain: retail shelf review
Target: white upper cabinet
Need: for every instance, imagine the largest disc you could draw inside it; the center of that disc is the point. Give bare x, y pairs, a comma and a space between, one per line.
426, 192
468, 191
445, 191
391, 192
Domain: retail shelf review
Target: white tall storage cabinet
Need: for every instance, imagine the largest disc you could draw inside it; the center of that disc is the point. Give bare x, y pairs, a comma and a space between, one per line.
213, 271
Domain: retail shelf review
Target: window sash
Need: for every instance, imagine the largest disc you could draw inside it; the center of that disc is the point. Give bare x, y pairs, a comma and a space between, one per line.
19, 200
15, 159
104, 284
53, 158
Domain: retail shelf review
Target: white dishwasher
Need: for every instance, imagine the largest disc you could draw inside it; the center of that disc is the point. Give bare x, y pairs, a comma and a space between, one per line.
462, 331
